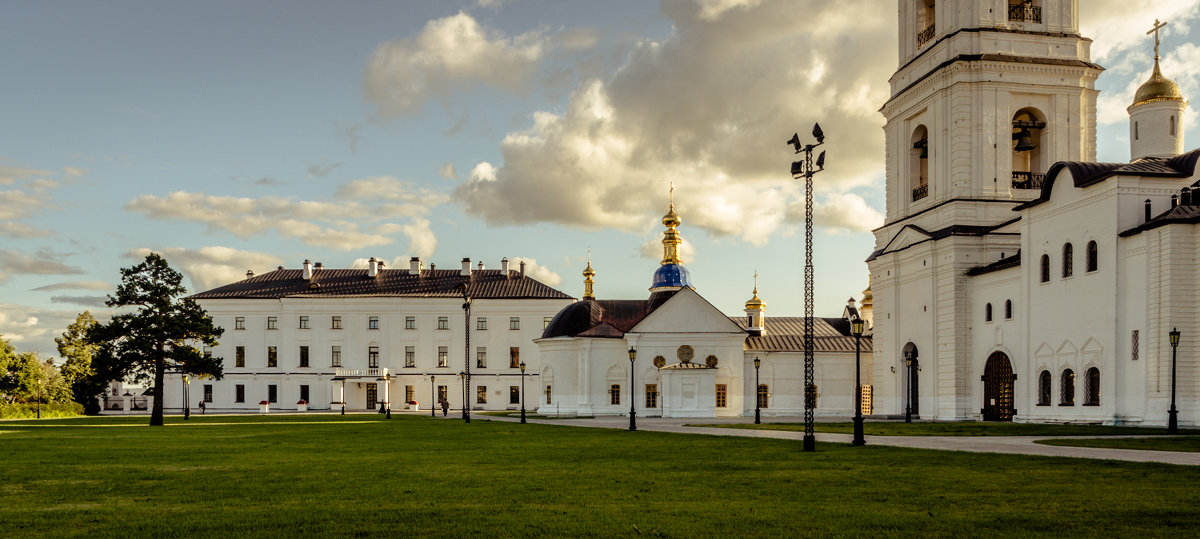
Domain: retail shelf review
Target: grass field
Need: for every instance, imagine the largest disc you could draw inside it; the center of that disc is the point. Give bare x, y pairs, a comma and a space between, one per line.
1190, 444
896, 428
330, 475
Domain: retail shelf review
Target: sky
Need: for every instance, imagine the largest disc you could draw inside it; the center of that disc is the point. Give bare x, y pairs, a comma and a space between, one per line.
230, 136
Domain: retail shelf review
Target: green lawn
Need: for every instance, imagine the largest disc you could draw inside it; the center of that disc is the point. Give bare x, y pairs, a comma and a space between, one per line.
1190, 444
896, 428
361, 475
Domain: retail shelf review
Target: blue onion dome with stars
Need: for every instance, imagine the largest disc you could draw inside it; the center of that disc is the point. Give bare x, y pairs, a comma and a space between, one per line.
671, 275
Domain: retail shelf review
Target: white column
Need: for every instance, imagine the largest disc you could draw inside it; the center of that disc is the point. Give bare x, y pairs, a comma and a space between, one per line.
385, 385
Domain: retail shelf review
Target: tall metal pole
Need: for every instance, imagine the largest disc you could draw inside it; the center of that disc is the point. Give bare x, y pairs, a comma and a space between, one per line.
858, 417
522, 391
433, 397
466, 351
632, 413
908, 389
1172, 415
805, 168
187, 398
757, 397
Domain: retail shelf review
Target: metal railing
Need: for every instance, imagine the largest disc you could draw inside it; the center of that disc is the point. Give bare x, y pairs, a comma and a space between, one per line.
925, 35
365, 373
1027, 180
1025, 12
920, 192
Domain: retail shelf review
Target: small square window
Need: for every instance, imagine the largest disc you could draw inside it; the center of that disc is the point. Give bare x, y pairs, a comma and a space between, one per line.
335, 322
481, 323
443, 322
272, 322
303, 322
410, 322
239, 322
514, 323
373, 322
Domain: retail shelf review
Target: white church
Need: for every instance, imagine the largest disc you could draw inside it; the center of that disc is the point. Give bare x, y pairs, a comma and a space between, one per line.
1015, 278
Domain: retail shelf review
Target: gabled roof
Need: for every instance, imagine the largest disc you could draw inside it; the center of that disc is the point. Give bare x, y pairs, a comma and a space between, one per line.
289, 283
1085, 174
786, 334
604, 318
953, 230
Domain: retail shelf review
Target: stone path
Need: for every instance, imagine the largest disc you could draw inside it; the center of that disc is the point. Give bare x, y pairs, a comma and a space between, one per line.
1022, 445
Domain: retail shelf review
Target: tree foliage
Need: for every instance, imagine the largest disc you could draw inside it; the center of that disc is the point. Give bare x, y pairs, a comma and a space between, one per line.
160, 335
77, 371
26, 379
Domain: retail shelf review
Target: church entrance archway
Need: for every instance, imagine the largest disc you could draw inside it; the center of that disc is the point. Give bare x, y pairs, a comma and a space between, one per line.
998, 382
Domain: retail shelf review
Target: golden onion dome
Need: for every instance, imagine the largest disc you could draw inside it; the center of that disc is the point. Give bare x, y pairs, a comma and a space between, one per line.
754, 303
671, 220
1158, 88
589, 272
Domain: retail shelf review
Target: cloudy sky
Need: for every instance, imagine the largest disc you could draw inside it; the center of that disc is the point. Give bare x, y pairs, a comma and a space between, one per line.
245, 135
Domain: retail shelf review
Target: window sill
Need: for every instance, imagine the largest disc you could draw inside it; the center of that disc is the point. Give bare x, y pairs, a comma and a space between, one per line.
1066, 404
1091, 404
1042, 404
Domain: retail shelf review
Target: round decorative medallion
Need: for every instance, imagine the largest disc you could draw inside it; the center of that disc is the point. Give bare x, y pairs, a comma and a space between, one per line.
659, 361
711, 361
685, 353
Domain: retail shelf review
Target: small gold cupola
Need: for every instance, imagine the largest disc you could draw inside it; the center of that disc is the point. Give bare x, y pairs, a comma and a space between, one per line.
671, 239
756, 310
867, 307
588, 273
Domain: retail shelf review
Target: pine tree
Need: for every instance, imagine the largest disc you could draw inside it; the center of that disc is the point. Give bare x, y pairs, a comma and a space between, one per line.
77, 369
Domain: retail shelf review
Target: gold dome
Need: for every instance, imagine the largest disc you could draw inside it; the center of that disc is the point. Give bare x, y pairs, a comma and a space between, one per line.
671, 220
1158, 88
754, 303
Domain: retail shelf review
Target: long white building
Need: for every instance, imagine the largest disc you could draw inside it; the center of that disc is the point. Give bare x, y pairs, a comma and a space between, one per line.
374, 337
1015, 278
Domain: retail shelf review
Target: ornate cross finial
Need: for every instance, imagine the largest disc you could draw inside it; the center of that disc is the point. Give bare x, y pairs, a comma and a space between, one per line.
1157, 26
589, 256
756, 282
671, 195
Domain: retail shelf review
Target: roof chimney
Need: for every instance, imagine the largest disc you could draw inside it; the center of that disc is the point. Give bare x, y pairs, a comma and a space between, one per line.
249, 273
1147, 210
1174, 201
522, 269
504, 266
318, 266
1185, 197
466, 268
307, 270
372, 267
480, 265
414, 265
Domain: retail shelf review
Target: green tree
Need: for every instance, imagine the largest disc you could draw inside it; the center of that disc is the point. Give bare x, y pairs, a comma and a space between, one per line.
77, 370
160, 335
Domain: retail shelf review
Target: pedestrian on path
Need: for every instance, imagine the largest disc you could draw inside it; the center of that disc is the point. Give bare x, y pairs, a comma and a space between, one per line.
445, 407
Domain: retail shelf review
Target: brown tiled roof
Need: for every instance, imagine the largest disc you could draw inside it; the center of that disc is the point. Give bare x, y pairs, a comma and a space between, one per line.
1084, 174
1185, 214
289, 283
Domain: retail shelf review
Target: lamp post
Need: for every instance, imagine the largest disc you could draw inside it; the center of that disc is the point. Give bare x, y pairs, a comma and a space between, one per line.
1172, 415
462, 287
39, 398
522, 391
856, 328
632, 413
908, 361
433, 396
187, 398
806, 170
757, 399
462, 383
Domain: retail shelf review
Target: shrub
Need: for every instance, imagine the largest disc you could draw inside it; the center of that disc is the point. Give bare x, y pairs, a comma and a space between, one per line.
60, 409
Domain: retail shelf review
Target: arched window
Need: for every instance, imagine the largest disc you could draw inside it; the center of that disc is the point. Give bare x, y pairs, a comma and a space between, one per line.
926, 27
1091, 388
1008, 309
1067, 393
1044, 388
919, 163
1045, 268
763, 396
1068, 260
987, 313
1028, 170
1135, 131
1093, 256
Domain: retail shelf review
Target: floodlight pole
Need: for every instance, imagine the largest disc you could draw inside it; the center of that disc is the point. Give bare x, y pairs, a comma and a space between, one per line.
522, 391
466, 351
806, 170
433, 396
1173, 414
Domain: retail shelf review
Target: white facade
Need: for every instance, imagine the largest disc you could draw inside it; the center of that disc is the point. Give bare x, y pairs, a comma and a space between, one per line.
430, 328
957, 273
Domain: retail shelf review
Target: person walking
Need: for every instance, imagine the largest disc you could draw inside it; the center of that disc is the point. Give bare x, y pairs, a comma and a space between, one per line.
445, 407
201, 407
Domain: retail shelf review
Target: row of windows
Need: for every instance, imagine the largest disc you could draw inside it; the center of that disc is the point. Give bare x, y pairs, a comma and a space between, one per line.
1066, 390
651, 397
410, 322
410, 356
1068, 262
1008, 311
239, 393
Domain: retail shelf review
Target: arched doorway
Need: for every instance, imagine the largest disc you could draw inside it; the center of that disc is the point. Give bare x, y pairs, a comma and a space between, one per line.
998, 384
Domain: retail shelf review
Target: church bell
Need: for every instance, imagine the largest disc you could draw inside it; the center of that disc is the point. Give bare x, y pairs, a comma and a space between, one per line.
1024, 141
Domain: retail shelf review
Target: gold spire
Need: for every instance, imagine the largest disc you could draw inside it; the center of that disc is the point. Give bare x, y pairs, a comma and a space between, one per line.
1158, 88
588, 273
755, 303
671, 239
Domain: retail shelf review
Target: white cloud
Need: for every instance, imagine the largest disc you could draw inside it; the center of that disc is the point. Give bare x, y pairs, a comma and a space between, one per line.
11, 174
709, 108
22, 231
1119, 26
535, 270
449, 53
352, 222
14, 262
448, 171
85, 301
76, 285
32, 329
213, 266
846, 212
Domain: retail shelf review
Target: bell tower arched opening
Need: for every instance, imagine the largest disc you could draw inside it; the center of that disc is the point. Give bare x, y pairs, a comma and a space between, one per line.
919, 163
1028, 166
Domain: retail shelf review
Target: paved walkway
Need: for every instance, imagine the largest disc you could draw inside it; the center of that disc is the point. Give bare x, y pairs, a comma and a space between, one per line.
1022, 445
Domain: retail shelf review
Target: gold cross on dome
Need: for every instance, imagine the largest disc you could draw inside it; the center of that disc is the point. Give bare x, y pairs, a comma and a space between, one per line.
1157, 26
